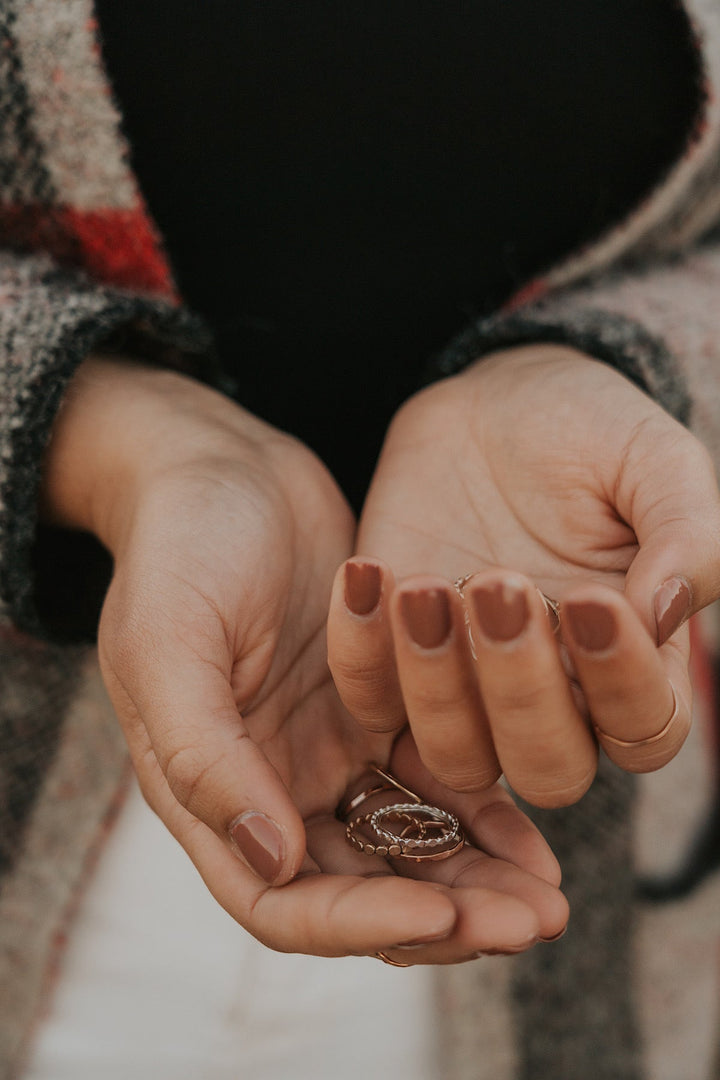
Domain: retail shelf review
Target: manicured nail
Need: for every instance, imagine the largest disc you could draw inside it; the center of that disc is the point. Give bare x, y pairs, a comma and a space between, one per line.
501, 610
555, 937
509, 951
362, 587
672, 604
260, 842
426, 614
418, 943
592, 625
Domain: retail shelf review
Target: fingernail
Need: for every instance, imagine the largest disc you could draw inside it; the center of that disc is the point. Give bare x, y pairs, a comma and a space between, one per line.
260, 842
501, 610
672, 604
555, 937
509, 951
426, 614
418, 943
362, 587
592, 625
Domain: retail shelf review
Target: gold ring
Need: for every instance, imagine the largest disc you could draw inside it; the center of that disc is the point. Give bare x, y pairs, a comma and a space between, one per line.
407, 831
386, 960
552, 608
636, 744
411, 829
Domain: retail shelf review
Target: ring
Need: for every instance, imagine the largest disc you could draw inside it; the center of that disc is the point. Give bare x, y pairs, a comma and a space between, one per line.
421, 832
636, 744
405, 830
386, 960
552, 608
390, 783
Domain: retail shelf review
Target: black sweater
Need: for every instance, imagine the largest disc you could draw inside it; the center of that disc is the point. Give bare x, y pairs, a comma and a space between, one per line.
342, 186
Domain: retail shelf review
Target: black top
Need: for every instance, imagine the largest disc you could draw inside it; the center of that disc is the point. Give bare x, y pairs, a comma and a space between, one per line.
343, 185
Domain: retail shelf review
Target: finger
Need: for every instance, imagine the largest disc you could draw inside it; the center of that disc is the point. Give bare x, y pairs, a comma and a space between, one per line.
439, 685
530, 908
669, 496
491, 820
360, 647
488, 919
545, 748
180, 709
624, 679
325, 914
488, 922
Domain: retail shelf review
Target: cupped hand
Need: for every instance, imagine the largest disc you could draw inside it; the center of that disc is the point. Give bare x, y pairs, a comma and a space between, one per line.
225, 535
536, 469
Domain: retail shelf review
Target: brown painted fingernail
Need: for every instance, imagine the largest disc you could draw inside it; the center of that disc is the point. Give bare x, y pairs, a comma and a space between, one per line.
260, 842
418, 943
501, 610
672, 604
555, 937
363, 584
510, 950
592, 625
426, 614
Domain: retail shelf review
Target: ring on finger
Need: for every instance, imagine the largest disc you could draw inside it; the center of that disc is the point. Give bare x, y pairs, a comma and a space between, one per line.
552, 608
393, 963
636, 744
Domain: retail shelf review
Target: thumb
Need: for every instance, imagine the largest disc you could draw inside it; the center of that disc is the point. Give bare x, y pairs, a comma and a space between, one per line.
676, 519
184, 731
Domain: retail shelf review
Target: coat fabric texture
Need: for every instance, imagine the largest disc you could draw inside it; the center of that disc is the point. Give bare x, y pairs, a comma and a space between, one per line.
631, 991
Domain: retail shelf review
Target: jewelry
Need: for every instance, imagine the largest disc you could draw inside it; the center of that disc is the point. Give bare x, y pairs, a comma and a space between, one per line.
391, 783
422, 832
386, 960
406, 830
636, 744
552, 608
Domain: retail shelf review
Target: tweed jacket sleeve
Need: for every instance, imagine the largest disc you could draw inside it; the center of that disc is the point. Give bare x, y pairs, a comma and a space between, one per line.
81, 267
643, 298
625, 994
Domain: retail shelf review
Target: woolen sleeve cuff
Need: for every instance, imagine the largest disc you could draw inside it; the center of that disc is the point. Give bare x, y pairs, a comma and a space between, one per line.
50, 321
658, 325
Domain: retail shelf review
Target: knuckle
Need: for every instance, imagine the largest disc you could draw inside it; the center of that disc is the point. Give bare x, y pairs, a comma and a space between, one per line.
372, 696
442, 701
559, 791
187, 773
361, 681
466, 780
516, 698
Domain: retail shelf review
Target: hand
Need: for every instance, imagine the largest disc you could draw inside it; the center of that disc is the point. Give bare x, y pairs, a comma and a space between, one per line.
538, 467
226, 535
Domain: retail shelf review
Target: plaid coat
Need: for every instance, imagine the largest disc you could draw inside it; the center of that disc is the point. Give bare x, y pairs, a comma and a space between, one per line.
631, 991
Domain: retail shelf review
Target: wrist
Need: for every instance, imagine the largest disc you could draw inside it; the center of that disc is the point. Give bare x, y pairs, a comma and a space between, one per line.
122, 427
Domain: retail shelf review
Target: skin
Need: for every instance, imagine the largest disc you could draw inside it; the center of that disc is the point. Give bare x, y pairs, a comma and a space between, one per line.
226, 535
563, 477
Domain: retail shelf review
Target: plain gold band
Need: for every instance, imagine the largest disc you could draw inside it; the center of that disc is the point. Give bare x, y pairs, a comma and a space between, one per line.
386, 960
637, 744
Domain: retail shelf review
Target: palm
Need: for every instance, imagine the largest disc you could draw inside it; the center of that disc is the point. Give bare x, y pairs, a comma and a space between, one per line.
253, 600
471, 479
534, 469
